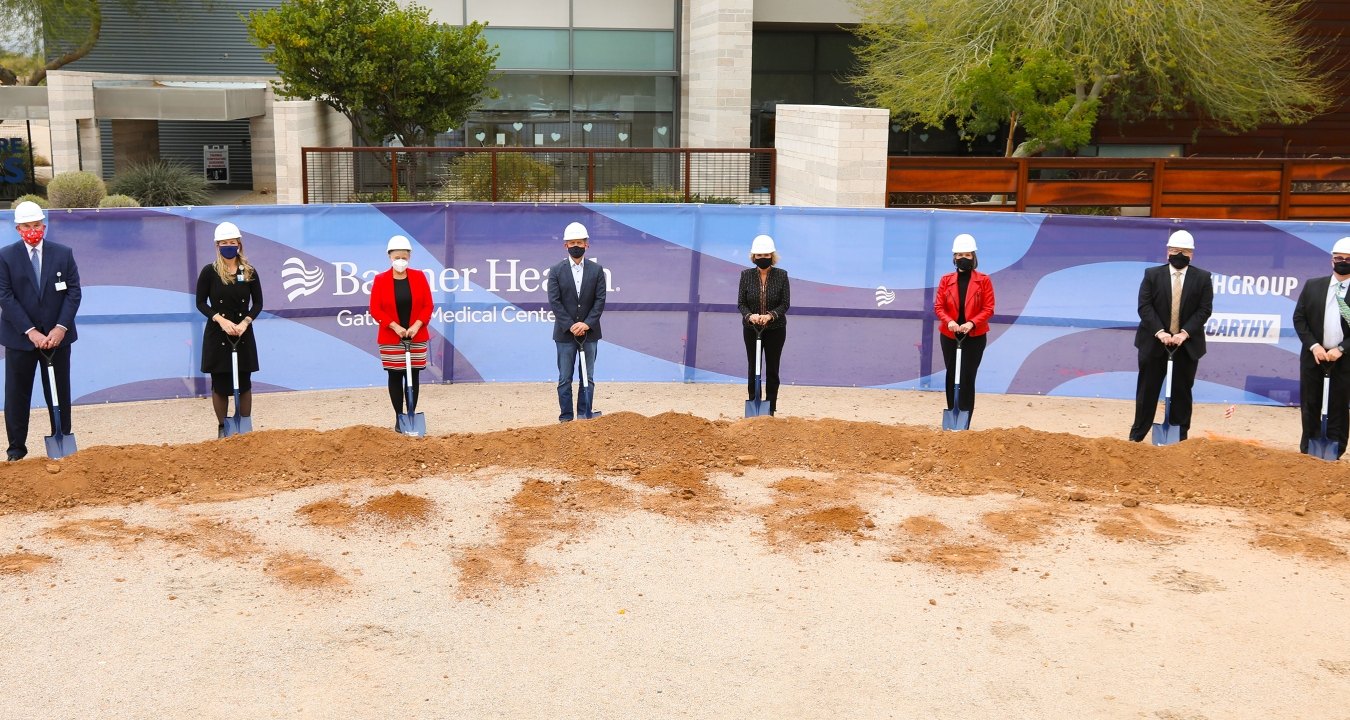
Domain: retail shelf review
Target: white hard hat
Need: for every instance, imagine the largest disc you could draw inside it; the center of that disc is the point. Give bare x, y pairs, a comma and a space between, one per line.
27, 212
398, 242
1342, 246
227, 231
965, 242
762, 245
575, 231
1181, 240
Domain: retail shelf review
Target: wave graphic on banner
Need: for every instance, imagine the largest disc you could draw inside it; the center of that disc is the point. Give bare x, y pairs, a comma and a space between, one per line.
299, 280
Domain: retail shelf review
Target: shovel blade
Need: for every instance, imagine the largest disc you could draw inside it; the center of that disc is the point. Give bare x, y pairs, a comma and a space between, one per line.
756, 408
238, 424
414, 425
59, 446
955, 419
1324, 448
1166, 434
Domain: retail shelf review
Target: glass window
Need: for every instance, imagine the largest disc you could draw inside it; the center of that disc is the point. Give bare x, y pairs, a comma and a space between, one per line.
530, 93
783, 52
529, 49
623, 50
624, 93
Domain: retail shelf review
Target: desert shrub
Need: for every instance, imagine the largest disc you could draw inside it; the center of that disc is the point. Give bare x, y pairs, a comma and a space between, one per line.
162, 184
519, 177
41, 201
76, 189
118, 201
644, 194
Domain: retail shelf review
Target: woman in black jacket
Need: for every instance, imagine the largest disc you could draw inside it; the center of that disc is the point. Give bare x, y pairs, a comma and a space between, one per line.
230, 296
763, 301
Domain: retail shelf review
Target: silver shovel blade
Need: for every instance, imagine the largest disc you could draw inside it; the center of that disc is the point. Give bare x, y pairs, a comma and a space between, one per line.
955, 419
1166, 434
59, 446
1324, 448
237, 425
414, 425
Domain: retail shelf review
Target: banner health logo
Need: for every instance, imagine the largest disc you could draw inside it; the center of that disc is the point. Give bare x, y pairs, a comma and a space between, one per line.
1243, 328
299, 280
13, 161
884, 296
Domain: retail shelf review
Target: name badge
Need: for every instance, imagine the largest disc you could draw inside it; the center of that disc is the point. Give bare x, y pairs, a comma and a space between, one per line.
60, 286
239, 277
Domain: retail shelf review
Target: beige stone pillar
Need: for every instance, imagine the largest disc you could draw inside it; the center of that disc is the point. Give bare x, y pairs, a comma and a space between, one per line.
716, 84
135, 142
70, 108
831, 156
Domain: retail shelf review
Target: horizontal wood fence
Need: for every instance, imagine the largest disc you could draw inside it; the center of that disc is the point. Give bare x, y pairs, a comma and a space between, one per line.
1254, 189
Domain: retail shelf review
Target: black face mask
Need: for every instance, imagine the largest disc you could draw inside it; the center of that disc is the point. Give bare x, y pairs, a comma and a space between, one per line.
763, 263
965, 264
1178, 260
576, 251
1341, 268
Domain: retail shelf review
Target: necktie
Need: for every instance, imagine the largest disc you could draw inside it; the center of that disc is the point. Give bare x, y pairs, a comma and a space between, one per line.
37, 268
1340, 302
1175, 326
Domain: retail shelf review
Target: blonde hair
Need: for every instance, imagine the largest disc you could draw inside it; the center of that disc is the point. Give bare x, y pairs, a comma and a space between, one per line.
773, 258
228, 277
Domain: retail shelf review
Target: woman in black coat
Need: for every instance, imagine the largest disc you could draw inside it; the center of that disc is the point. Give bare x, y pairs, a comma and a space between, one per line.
230, 296
763, 301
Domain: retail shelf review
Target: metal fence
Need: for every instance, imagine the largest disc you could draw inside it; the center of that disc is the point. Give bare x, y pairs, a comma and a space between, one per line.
381, 174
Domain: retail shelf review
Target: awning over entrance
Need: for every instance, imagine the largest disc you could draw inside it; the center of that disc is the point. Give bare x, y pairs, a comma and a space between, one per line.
23, 103
178, 103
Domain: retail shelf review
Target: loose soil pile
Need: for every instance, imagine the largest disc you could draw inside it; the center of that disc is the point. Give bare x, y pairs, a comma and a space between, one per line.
676, 452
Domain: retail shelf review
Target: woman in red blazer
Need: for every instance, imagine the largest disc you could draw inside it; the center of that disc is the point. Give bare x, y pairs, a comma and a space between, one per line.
964, 303
400, 302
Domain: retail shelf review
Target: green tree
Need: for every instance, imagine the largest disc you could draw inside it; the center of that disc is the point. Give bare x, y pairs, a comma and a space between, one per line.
61, 31
1052, 66
388, 69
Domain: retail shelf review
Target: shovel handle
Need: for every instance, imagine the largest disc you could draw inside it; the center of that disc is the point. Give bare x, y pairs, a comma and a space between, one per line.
1326, 396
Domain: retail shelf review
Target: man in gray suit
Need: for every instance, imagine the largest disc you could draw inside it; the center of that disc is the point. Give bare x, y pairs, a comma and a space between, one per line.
576, 292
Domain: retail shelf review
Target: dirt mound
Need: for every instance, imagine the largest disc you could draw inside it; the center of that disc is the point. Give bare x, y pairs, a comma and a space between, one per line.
20, 563
677, 451
396, 508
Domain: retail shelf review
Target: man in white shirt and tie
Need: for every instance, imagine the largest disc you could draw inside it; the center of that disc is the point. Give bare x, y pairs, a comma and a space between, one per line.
39, 296
1175, 302
1322, 321
576, 294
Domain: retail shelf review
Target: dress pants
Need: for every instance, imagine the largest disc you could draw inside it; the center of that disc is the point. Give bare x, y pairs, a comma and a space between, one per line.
19, 368
1152, 374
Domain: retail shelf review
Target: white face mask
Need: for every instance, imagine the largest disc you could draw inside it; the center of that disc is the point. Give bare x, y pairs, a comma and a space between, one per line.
400, 265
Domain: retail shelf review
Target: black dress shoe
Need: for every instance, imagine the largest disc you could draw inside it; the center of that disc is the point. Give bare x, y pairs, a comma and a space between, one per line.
220, 431
11, 457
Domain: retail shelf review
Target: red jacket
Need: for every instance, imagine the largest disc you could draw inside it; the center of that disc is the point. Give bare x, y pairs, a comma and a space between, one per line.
384, 311
979, 302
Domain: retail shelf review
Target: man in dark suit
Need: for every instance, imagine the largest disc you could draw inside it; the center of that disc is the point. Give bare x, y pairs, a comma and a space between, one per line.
39, 295
576, 292
1175, 301
1322, 321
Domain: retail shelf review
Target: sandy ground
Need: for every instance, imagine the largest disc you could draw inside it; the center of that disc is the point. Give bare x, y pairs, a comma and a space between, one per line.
843, 560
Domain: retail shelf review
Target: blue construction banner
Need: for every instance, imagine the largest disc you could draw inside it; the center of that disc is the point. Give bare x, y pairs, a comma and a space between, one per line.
862, 294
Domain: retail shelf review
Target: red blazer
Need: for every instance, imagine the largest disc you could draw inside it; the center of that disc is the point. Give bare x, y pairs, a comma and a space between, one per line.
979, 302
384, 311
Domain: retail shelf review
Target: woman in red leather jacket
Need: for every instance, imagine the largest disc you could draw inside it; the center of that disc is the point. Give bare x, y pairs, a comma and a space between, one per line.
964, 303
400, 302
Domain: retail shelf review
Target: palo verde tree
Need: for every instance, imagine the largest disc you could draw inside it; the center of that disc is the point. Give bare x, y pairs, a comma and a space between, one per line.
388, 69
55, 33
1052, 66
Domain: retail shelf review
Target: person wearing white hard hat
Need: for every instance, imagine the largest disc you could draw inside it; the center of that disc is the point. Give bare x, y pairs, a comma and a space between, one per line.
229, 295
763, 299
400, 302
39, 296
1175, 302
964, 303
576, 293
1322, 323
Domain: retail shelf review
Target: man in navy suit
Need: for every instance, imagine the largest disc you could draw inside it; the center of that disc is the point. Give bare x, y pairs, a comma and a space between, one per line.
1320, 320
576, 292
39, 295
1171, 321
